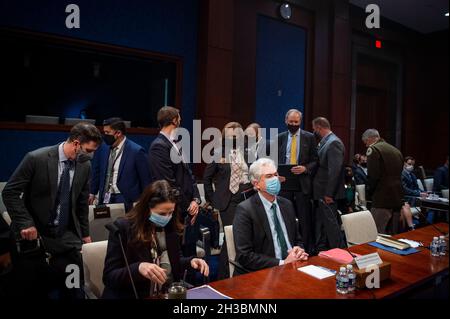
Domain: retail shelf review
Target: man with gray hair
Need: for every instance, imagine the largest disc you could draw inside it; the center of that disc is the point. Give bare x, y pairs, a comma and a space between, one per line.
384, 186
264, 226
298, 148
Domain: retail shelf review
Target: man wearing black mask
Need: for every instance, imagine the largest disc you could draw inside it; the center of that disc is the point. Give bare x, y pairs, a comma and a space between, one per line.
299, 148
47, 199
360, 170
120, 169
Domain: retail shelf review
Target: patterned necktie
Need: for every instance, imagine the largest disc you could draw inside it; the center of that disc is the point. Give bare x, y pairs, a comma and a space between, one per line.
293, 159
279, 231
63, 199
234, 177
110, 171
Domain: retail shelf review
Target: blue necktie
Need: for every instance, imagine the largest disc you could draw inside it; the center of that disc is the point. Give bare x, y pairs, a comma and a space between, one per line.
63, 198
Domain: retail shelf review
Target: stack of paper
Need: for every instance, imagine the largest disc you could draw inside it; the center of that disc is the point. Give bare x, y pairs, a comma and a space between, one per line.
316, 272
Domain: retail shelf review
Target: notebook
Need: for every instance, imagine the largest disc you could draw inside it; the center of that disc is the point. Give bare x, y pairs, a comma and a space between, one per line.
341, 256
205, 292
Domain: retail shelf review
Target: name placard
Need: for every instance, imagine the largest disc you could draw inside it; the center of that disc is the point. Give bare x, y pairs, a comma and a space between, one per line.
368, 260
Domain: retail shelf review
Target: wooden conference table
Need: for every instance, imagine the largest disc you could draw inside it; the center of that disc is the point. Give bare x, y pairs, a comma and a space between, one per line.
286, 282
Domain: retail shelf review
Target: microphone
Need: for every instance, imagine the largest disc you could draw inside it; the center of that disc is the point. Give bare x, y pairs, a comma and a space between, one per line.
432, 225
114, 230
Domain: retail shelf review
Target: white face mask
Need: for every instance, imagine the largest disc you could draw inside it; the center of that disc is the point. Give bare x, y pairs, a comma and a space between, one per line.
409, 168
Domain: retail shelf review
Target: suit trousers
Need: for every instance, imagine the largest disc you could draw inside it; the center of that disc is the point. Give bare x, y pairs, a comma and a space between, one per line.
303, 210
119, 198
328, 232
387, 220
42, 280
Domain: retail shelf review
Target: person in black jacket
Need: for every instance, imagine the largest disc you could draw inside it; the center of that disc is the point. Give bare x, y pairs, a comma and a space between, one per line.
151, 238
229, 175
167, 163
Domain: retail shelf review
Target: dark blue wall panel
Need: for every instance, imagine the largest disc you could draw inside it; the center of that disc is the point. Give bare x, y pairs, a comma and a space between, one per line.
166, 26
280, 68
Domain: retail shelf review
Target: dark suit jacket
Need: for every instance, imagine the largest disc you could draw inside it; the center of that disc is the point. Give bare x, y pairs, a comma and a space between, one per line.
307, 157
177, 174
440, 179
409, 182
37, 178
329, 179
252, 236
134, 172
360, 175
115, 274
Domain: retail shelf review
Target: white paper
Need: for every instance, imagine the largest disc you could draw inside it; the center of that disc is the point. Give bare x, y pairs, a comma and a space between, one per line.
316, 272
368, 260
412, 243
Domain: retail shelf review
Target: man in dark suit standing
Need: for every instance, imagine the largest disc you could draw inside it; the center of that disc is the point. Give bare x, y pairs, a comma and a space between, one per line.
47, 197
264, 227
167, 163
120, 172
328, 186
298, 147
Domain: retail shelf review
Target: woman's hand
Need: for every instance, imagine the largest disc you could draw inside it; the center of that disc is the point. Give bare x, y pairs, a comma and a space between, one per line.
200, 265
153, 272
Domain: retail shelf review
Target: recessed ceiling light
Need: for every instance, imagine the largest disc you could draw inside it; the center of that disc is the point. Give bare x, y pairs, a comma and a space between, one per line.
446, 14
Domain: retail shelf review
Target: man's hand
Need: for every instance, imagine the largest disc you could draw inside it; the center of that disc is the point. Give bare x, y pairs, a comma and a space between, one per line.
91, 199
193, 211
299, 253
29, 233
87, 240
153, 272
200, 265
299, 169
328, 200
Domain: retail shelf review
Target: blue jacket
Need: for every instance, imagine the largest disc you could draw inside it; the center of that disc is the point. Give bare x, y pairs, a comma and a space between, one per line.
134, 172
409, 182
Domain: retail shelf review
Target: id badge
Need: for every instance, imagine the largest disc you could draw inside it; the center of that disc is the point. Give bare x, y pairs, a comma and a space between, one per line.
107, 198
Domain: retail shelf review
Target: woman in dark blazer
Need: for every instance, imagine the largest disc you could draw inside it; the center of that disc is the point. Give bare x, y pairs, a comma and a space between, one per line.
223, 196
151, 235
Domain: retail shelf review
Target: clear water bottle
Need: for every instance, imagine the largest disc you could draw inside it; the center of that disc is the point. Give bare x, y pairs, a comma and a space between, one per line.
442, 246
351, 279
342, 281
434, 247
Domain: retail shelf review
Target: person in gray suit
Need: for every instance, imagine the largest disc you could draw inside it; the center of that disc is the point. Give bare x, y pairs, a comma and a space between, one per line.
47, 199
328, 186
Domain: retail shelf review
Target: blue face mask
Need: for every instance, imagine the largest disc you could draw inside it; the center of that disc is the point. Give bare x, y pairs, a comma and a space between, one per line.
159, 220
273, 185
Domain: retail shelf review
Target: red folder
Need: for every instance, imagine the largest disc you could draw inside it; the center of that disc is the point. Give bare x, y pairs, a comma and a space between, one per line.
341, 256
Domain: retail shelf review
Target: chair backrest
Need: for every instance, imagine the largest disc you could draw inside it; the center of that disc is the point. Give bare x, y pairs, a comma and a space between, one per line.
231, 250
428, 184
359, 227
419, 183
97, 228
94, 261
445, 193
2, 205
361, 190
7, 218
